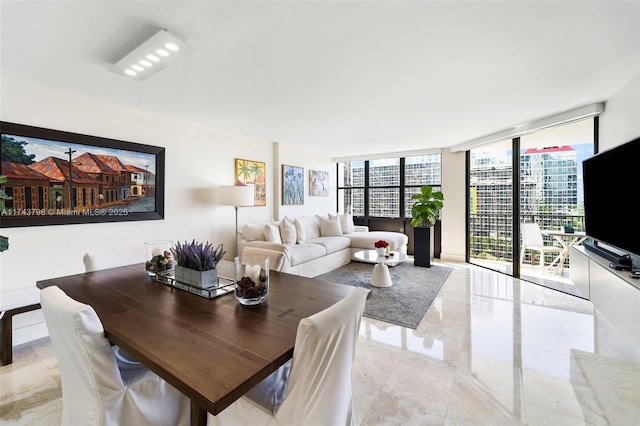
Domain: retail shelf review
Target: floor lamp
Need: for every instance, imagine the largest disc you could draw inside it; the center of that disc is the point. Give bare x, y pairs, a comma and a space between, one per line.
236, 196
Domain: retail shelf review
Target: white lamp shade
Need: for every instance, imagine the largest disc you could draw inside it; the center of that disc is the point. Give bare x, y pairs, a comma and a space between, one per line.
236, 196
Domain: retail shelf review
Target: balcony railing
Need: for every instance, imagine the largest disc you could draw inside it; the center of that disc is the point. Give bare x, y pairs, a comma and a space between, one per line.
491, 235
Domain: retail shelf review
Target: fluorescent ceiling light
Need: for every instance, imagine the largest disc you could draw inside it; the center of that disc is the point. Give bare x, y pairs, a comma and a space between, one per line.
566, 117
152, 55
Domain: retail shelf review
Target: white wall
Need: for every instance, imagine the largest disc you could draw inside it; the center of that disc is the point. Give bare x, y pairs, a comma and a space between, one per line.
453, 215
294, 156
197, 160
620, 121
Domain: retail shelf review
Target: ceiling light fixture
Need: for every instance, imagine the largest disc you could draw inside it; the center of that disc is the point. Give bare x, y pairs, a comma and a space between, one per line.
152, 55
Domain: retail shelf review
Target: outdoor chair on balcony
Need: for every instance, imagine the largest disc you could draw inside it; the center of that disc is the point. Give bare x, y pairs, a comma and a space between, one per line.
532, 239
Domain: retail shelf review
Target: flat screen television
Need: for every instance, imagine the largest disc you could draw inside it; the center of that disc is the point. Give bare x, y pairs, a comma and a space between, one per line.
611, 182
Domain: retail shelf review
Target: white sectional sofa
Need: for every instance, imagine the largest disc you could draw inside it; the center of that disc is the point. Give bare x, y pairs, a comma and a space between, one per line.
312, 245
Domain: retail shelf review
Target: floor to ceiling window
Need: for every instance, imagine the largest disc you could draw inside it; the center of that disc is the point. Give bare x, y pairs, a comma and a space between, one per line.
549, 173
491, 206
383, 187
378, 192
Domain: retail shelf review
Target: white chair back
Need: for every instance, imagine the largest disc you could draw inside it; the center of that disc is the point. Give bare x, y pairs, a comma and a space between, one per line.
319, 388
96, 388
531, 235
98, 260
88, 368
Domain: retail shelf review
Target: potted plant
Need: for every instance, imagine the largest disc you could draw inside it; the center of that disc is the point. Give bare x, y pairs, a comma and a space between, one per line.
196, 263
425, 211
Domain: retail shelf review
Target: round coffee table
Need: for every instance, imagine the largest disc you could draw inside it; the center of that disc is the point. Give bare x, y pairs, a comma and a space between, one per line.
380, 276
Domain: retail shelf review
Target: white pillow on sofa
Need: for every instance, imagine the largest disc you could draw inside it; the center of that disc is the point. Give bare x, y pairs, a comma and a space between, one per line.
307, 227
288, 232
330, 227
346, 222
272, 233
301, 236
253, 232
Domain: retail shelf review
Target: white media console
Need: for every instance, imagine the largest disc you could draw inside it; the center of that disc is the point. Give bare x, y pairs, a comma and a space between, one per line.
613, 293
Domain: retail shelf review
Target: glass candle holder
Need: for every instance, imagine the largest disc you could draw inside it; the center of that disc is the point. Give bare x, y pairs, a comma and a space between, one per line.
158, 256
252, 279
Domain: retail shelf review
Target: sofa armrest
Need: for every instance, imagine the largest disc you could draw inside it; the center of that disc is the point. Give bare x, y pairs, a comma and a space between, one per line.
276, 258
361, 228
279, 247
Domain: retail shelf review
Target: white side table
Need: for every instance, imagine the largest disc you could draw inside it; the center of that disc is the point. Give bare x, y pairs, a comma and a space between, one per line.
380, 276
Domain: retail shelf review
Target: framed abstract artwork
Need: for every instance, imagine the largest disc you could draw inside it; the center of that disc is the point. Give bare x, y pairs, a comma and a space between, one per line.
55, 177
252, 173
318, 183
292, 185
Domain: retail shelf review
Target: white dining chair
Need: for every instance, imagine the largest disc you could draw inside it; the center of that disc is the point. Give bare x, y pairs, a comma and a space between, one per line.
318, 388
533, 240
97, 260
101, 385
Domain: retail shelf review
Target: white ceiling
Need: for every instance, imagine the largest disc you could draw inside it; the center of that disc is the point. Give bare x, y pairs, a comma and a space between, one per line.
340, 78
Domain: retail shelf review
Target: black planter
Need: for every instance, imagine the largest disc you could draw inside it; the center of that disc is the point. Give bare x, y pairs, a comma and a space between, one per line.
422, 246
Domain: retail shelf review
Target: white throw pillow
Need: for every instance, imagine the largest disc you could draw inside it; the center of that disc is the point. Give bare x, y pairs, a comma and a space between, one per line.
301, 235
253, 232
310, 226
272, 233
346, 222
288, 232
330, 227
274, 222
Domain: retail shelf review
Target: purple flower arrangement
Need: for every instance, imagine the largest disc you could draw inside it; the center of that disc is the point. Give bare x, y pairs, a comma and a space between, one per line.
197, 256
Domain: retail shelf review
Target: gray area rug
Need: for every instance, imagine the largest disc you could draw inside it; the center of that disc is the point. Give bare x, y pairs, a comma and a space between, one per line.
406, 301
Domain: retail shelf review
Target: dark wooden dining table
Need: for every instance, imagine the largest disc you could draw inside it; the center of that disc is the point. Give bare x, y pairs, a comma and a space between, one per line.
212, 350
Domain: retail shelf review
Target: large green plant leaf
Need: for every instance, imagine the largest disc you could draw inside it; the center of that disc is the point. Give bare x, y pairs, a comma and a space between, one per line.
426, 207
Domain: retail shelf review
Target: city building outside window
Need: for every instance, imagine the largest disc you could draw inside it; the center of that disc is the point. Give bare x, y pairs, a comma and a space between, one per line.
383, 187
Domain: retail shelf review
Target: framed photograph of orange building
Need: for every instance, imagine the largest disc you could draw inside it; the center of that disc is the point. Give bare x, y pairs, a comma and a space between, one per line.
55, 177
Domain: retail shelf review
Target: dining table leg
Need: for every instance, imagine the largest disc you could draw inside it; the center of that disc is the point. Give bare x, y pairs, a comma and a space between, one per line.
198, 415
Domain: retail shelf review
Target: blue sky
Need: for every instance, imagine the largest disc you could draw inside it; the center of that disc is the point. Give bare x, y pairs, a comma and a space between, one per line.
43, 148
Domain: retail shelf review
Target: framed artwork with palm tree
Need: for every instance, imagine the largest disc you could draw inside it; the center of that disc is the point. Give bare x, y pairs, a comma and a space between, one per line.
253, 173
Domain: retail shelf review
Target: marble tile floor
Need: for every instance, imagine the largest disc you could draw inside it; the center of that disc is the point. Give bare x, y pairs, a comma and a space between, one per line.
491, 350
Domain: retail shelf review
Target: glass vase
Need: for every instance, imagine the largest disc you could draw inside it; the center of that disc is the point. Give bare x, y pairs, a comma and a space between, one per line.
252, 279
158, 256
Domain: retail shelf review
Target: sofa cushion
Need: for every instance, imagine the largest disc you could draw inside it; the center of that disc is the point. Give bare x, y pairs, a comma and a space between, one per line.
301, 253
346, 223
288, 231
365, 240
331, 244
307, 227
253, 232
330, 227
272, 233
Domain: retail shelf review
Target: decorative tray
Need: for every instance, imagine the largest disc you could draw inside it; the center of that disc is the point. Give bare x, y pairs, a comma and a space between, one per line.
225, 285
